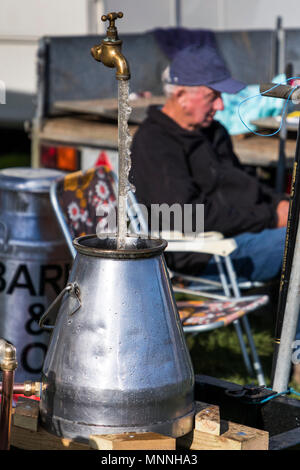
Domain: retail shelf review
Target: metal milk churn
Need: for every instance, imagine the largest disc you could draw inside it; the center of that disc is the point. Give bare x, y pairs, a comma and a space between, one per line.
117, 361
34, 263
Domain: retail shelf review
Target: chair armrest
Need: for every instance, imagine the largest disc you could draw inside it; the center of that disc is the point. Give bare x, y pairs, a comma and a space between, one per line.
221, 247
178, 236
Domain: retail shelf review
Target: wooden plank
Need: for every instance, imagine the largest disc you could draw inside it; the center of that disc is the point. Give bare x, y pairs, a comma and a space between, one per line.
132, 441
74, 131
251, 150
271, 122
262, 151
27, 434
235, 437
207, 418
100, 107
42, 440
26, 414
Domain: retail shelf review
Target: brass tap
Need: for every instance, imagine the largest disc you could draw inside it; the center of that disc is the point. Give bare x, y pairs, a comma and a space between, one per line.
32, 388
8, 361
109, 50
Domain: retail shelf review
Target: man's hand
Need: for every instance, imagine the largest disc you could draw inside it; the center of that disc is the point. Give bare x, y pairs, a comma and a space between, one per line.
282, 213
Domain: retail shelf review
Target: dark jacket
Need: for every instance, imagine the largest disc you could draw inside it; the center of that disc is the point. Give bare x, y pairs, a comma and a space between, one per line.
172, 165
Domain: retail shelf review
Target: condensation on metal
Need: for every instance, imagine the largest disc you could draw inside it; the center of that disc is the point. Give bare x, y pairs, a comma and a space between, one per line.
120, 363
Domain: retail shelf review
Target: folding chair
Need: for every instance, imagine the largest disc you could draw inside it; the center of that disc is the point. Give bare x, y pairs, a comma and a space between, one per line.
76, 198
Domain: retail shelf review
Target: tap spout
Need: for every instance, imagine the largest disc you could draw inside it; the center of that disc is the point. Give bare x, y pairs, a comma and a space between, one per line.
109, 51
110, 55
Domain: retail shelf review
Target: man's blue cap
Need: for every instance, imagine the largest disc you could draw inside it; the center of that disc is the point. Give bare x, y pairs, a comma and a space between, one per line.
202, 65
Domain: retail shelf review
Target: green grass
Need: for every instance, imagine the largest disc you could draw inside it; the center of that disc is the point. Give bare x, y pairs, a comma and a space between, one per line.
15, 147
14, 160
217, 353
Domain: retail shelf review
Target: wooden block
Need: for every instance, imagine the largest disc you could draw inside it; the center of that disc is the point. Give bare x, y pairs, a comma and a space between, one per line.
249, 438
26, 414
207, 418
27, 434
232, 437
132, 441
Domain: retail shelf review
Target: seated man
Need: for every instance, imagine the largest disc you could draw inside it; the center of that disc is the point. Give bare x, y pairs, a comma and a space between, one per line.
180, 154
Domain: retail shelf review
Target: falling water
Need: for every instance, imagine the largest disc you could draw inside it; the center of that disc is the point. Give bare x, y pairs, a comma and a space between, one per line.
124, 141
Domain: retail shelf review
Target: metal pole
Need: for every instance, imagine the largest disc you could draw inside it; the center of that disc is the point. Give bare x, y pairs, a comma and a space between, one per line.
280, 170
283, 364
279, 47
177, 13
36, 123
290, 241
284, 91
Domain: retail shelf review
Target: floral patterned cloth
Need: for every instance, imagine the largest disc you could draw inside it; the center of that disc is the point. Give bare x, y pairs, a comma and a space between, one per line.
205, 312
86, 199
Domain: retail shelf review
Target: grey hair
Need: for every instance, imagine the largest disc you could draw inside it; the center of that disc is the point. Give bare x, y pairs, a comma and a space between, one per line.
169, 88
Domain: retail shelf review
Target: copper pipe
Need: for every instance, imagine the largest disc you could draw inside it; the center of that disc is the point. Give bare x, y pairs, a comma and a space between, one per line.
7, 389
18, 389
8, 365
27, 388
6, 408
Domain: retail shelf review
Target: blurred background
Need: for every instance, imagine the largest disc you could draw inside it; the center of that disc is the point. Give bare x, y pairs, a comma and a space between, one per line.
22, 24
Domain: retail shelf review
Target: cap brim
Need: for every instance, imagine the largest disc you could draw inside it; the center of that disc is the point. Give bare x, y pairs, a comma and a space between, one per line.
229, 85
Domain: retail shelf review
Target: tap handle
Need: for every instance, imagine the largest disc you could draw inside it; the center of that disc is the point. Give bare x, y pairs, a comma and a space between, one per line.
112, 17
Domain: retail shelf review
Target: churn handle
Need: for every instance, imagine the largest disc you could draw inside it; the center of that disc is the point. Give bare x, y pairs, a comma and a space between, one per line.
72, 288
5, 235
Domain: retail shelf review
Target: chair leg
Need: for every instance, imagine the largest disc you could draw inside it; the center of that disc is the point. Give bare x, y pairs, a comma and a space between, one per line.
245, 354
222, 275
256, 362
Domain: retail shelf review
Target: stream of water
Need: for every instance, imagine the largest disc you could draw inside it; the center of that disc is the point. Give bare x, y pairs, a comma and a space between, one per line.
124, 141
